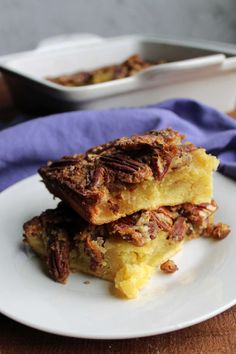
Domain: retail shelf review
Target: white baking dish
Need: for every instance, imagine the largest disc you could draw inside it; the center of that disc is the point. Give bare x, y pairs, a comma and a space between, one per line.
204, 71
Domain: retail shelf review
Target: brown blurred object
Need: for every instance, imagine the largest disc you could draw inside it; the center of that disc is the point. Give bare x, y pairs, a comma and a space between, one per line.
232, 114
129, 67
215, 336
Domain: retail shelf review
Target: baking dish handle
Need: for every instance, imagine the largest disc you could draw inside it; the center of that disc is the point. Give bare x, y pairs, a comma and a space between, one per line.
211, 62
68, 40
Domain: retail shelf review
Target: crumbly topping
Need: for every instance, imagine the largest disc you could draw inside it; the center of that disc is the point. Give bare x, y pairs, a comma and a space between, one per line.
129, 67
122, 163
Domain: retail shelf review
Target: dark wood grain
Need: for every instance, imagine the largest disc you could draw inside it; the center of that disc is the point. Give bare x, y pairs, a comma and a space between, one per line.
215, 336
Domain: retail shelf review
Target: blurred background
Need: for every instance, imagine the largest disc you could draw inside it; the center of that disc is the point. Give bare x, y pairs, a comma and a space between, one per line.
23, 23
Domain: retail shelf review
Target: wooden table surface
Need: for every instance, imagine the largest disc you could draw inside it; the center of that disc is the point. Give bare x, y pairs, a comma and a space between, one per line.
215, 336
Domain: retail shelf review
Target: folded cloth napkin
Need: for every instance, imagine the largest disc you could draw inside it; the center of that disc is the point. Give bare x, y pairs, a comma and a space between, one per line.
26, 146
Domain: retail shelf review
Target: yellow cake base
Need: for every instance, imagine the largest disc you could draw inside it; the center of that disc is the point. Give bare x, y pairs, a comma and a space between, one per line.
125, 264
129, 266
179, 186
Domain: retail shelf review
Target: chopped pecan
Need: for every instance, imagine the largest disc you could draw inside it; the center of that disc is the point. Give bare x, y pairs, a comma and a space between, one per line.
128, 234
126, 169
58, 255
169, 267
94, 249
160, 163
141, 227
218, 231
179, 229
159, 220
133, 228
197, 214
96, 178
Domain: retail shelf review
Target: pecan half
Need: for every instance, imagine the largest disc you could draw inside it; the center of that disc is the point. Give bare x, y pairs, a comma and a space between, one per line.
97, 177
57, 258
169, 267
94, 249
159, 220
126, 169
160, 164
218, 231
179, 229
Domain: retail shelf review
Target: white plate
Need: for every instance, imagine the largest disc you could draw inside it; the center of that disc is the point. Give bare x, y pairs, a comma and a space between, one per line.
203, 287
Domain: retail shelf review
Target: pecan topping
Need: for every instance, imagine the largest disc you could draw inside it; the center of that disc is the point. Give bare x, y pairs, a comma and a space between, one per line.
161, 139
58, 256
218, 231
159, 220
62, 163
61, 230
179, 229
126, 169
129, 160
141, 227
160, 163
169, 267
128, 229
97, 177
94, 249
197, 214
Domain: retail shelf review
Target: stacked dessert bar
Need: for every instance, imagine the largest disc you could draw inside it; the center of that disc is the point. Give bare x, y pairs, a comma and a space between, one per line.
127, 207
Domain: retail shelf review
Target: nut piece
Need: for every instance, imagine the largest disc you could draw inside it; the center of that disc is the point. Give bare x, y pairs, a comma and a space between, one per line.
58, 257
169, 267
179, 229
126, 169
94, 249
218, 231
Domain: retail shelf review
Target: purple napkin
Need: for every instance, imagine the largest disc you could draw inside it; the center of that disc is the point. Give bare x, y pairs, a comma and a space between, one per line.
26, 146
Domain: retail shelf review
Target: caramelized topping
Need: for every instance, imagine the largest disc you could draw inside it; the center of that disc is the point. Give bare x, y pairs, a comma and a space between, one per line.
120, 163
